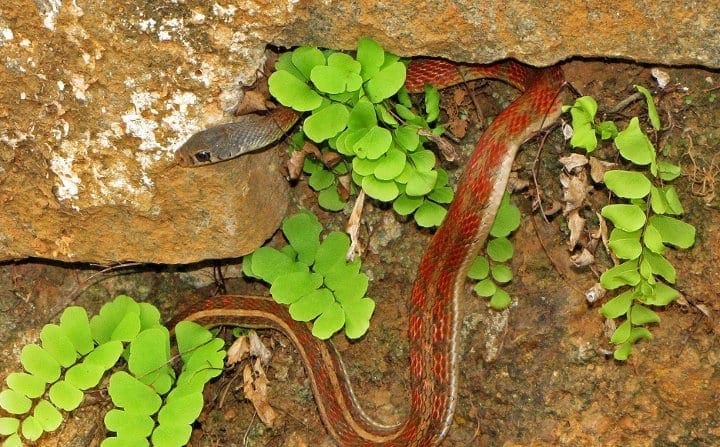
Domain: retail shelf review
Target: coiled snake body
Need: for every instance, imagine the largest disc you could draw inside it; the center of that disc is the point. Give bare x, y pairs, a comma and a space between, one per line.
433, 307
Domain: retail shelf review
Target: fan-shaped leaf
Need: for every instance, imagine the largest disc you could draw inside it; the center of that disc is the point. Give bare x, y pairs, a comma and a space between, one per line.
38, 362
430, 214
499, 249
326, 122
47, 416
329, 322
624, 216
130, 394
383, 190
386, 82
627, 184
292, 92
65, 396
357, 316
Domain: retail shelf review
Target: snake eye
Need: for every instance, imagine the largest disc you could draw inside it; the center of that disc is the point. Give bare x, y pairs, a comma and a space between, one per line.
203, 156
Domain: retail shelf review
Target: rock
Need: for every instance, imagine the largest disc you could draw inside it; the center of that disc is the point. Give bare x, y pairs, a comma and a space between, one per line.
185, 215
537, 32
97, 97
93, 105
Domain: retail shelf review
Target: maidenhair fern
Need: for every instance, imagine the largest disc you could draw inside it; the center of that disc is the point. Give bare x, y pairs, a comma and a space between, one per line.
152, 406
359, 109
646, 221
313, 278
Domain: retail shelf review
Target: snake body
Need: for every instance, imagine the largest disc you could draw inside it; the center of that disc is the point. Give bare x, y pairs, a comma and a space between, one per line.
433, 307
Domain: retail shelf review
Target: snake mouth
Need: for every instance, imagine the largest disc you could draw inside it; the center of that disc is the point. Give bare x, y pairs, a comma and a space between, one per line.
183, 159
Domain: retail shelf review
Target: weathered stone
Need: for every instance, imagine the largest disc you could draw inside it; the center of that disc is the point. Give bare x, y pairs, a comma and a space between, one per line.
537, 32
96, 96
221, 211
93, 103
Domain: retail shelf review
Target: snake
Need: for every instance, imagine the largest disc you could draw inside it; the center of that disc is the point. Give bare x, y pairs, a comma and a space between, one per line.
248, 133
433, 307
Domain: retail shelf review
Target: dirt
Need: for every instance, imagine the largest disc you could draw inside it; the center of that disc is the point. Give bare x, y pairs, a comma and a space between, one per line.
538, 374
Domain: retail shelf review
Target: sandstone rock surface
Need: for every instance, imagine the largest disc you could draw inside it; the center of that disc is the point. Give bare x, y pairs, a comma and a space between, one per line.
96, 96
537, 32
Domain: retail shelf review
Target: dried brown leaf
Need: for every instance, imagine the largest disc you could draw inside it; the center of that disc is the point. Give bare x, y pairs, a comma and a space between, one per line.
515, 183
597, 233
297, 159
295, 164
704, 310
603, 230
353, 227
258, 348
311, 149
554, 208
331, 159
582, 259
253, 101
592, 243
575, 190
255, 385
238, 350
682, 301
573, 162
576, 225
446, 148
598, 168
261, 380
343, 186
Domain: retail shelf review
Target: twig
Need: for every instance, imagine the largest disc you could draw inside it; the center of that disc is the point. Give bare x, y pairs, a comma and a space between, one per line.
626, 102
229, 386
80, 288
84, 284
478, 110
247, 431
219, 279
533, 171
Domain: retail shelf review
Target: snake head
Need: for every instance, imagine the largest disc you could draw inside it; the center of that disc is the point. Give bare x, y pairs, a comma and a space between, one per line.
225, 141
202, 148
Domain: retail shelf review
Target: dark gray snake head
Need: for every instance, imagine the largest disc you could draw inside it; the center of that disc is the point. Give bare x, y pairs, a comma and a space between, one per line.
225, 141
